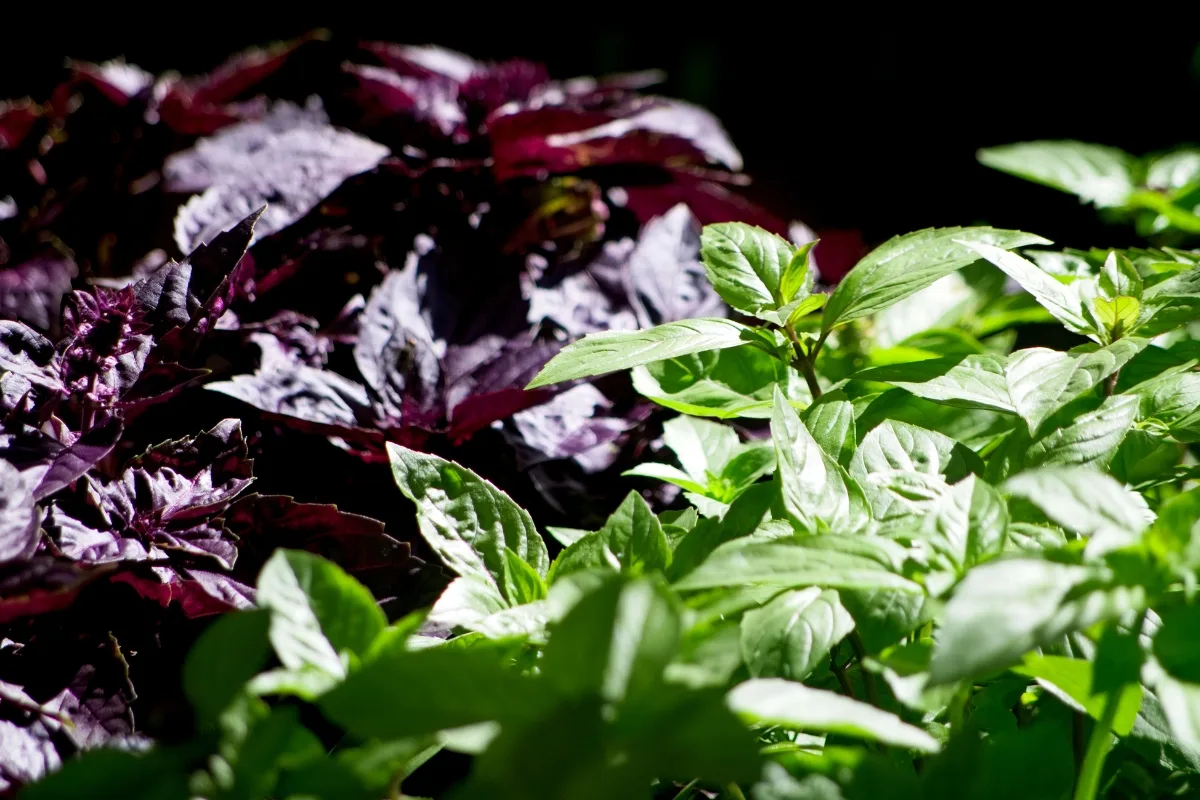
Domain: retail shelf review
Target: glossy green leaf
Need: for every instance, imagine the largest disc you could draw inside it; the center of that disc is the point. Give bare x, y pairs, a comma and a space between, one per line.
383, 699
631, 541
1042, 381
818, 494
797, 280
1033, 383
668, 474
725, 384
745, 265
906, 264
792, 564
1103, 176
1181, 705
1090, 439
1003, 609
1073, 677
615, 642
792, 635
1120, 278
702, 446
830, 420
1085, 501
793, 705
466, 520
1175, 642
317, 611
1060, 299
611, 351
224, 658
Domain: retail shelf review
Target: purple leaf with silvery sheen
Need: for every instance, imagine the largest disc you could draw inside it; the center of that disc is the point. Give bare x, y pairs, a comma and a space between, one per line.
289, 161
49, 464
19, 518
32, 291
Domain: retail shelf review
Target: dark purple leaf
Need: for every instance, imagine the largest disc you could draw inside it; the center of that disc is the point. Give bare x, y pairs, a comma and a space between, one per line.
19, 517
667, 278
27, 354
485, 381
27, 753
396, 353
61, 691
117, 80
383, 92
32, 291
47, 464
221, 451
264, 523
573, 425
590, 300
283, 386
182, 300
635, 130
97, 700
79, 542
202, 105
424, 61
708, 200
41, 585
288, 162
17, 119
200, 594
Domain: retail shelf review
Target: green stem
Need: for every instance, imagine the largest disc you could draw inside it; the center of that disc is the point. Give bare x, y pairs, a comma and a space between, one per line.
860, 652
840, 672
1110, 383
735, 791
1179, 217
958, 709
804, 363
1099, 744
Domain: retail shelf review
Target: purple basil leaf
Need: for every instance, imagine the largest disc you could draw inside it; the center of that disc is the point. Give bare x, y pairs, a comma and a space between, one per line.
668, 280
201, 105
26, 353
19, 518
396, 352
97, 701
200, 594
285, 387
191, 295
32, 292
573, 425
424, 61
590, 300
41, 585
635, 130
383, 91
356, 543
485, 381
222, 451
289, 162
48, 464
708, 200
79, 542
28, 753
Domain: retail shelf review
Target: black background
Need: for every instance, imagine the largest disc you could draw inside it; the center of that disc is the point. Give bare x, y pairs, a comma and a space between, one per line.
842, 124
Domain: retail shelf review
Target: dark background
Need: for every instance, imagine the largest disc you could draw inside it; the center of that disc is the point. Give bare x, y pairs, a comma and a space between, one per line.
841, 125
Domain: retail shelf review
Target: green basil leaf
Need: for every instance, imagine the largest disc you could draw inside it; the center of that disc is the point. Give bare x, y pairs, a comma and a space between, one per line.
611, 351
906, 264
